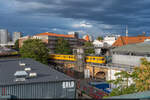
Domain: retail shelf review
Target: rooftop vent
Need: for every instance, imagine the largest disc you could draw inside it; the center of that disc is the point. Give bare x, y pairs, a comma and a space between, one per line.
27, 69
22, 64
20, 79
20, 75
32, 74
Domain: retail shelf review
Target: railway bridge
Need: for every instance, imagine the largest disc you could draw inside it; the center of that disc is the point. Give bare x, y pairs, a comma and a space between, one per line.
98, 71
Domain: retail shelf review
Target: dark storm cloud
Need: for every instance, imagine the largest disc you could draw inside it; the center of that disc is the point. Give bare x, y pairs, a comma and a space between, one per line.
113, 12
42, 15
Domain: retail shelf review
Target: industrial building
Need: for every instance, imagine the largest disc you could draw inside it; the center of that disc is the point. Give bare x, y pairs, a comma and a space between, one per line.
28, 79
130, 55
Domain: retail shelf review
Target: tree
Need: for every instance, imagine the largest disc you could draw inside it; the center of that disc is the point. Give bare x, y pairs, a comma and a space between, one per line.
16, 46
100, 38
89, 48
63, 47
36, 49
122, 84
141, 76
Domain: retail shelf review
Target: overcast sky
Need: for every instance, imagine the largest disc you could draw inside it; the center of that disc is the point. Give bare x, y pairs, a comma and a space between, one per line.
94, 17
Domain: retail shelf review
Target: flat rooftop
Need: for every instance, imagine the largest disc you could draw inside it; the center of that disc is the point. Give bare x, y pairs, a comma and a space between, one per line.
8, 68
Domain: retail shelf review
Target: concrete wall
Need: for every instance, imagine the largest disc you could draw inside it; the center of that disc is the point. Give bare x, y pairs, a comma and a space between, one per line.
127, 59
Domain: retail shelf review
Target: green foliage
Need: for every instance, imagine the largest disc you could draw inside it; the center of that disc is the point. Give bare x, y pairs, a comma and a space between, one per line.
100, 38
36, 49
63, 47
120, 91
16, 46
89, 48
122, 84
145, 62
140, 76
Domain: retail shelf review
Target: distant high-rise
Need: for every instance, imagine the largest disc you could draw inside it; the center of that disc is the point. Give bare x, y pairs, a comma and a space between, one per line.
3, 36
16, 36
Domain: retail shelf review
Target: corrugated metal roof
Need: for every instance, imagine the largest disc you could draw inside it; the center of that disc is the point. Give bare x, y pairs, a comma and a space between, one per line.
139, 47
138, 95
45, 73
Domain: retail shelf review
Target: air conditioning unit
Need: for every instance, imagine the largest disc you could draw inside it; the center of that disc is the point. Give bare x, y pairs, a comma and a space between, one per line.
27, 69
32, 74
20, 76
22, 64
20, 79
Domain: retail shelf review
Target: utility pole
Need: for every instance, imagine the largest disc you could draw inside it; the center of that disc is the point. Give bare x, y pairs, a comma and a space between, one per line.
126, 30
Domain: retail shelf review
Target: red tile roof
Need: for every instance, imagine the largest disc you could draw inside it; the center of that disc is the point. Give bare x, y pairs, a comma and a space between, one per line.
86, 37
57, 35
124, 40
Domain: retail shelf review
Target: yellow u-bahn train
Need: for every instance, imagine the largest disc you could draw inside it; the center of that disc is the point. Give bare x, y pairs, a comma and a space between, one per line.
88, 59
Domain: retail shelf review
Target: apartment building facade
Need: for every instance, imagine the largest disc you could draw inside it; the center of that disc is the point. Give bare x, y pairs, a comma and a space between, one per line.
51, 39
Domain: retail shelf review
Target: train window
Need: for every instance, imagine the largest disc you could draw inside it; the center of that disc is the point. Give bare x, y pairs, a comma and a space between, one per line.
102, 58
93, 58
87, 58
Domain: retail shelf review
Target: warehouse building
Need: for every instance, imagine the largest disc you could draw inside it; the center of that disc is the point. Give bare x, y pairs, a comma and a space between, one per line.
131, 54
29, 79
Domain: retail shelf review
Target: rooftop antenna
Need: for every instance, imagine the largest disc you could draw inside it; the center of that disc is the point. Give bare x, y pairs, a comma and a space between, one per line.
126, 30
